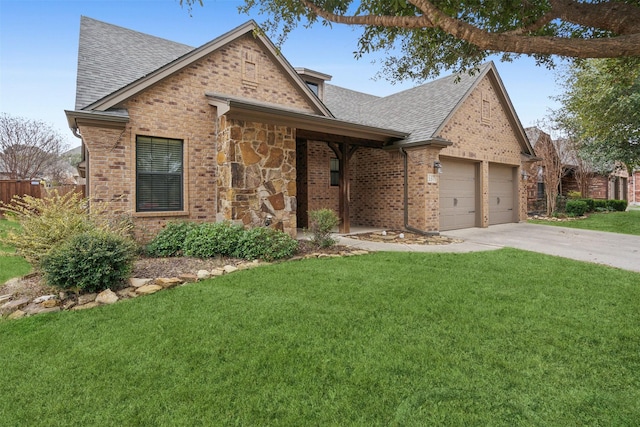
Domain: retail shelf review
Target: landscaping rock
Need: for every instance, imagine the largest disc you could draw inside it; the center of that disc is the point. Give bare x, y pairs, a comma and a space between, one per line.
203, 274
86, 298
129, 292
188, 278
167, 282
217, 272
86, 306
5, 298
229, 268
148, 289
137, 282
49, 303
43, 298
18, 314
107, 297
11, 306
32, 309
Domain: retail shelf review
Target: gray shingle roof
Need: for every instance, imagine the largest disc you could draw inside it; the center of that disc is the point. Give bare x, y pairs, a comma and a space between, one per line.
420, 110
110, 57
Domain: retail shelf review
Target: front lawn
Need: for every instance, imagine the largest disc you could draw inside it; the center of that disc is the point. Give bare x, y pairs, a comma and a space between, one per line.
490, 338
614, 222
10, 265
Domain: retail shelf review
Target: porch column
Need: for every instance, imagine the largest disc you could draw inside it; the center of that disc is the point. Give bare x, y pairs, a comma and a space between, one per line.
343, 152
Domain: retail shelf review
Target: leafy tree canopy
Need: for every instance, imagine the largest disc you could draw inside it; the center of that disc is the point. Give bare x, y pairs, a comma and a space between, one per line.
421, 38
601, 108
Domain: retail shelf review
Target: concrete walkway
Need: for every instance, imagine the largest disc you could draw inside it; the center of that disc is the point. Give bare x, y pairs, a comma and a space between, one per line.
616, 250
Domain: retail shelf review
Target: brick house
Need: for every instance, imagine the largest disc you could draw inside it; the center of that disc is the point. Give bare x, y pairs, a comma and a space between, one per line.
231, 131
615, 184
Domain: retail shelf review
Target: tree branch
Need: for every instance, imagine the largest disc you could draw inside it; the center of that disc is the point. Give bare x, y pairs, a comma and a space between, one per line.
627, 44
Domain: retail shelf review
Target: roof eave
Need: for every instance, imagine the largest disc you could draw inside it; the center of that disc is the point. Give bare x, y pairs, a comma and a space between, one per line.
251, 26
274, 114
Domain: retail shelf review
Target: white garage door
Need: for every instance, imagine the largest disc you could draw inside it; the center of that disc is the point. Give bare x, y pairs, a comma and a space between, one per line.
502, 207
458, 195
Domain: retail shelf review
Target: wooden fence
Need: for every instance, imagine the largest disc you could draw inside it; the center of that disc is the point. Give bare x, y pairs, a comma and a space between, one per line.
11, 188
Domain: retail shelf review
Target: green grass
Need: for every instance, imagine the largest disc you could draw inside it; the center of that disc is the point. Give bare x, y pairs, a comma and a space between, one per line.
10, 264
614, 222
502, 338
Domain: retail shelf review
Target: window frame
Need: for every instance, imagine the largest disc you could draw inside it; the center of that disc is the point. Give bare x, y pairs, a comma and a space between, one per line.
334, 172
178, 205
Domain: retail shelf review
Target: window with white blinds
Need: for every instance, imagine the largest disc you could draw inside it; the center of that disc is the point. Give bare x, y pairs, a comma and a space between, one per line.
159, 174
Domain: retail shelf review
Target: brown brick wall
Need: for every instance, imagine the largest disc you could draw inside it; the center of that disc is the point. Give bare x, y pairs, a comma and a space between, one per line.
321, 194
177, 108
634, 188
485, 139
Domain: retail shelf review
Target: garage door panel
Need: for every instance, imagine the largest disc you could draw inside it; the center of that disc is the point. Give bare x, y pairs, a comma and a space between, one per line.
458, 195
502, 201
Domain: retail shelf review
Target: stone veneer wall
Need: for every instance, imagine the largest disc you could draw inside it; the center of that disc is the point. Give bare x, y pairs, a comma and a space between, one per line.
257, 179
178, 108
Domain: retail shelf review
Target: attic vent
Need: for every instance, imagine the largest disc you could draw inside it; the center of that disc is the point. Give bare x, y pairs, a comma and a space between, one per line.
485, 108
249, 70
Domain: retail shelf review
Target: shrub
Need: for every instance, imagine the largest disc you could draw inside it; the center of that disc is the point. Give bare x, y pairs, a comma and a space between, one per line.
590, 204
617, 205
265, 243
576, 207
321, 223
91, 261
573, 195
170, 240
49, 221
212, 239
600, 205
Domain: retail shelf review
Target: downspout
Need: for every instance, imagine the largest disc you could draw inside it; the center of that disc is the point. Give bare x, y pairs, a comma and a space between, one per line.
406, 199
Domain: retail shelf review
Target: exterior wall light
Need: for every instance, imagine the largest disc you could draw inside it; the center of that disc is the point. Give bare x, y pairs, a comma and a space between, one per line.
437, 166
525, 175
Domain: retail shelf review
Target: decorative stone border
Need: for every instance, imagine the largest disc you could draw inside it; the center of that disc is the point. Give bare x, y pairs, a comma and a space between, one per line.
11, 308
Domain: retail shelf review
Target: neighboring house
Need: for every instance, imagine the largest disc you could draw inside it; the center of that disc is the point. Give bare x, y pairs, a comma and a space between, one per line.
608, 185
231, 131
534, 171
634, 188
579, 176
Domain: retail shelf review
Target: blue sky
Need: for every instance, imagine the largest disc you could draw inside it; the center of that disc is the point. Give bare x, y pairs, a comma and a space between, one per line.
39, 47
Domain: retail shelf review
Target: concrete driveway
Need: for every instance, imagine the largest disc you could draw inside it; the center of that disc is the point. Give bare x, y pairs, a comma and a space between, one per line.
616, 250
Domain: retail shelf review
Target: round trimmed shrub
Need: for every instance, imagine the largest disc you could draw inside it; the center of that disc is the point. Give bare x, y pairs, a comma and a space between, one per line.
213, 239
266, 244
170, 240
576, 207
90, 262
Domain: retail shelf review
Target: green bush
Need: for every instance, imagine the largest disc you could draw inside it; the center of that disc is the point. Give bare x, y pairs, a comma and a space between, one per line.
90, 262
590, 204
170, 240
576, 207
602, 205
321, 223
617, 205
212, 239
265, 243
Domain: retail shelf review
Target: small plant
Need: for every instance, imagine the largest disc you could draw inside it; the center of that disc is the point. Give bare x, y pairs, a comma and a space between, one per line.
576, 207
170, 240
90, 262
322, 222
573, 195
265, 243
212, 239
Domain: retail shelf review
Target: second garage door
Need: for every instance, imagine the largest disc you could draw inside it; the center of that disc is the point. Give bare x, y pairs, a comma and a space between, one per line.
458, 195
501, 194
